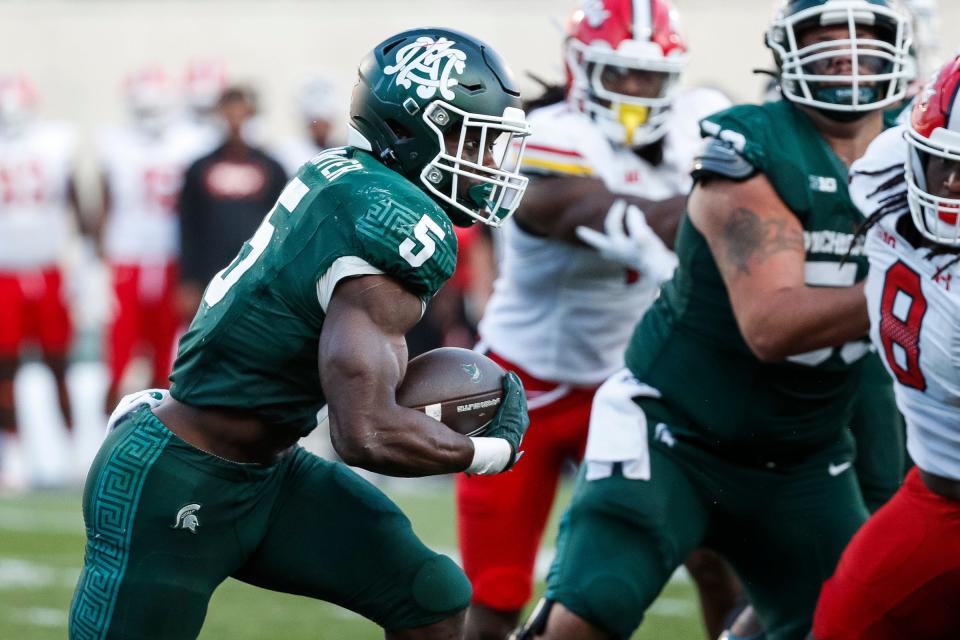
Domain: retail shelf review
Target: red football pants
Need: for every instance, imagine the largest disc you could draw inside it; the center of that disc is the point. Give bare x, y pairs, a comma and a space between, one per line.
145, 315
501, 518
32, 308
899, 577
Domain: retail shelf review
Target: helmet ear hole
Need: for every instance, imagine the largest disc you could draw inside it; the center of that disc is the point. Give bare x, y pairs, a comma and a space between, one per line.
390, 46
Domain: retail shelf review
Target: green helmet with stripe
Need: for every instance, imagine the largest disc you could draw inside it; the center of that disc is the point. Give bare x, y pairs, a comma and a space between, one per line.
863, 66
441, 108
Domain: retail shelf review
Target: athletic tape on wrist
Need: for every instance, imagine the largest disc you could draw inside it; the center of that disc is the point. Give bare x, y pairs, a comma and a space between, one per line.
490, 455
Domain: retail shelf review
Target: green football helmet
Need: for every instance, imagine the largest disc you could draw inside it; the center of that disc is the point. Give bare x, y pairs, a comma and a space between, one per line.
880, 68
440, 108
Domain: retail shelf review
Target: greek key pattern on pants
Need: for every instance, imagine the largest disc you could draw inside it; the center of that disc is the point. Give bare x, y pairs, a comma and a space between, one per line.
112, 513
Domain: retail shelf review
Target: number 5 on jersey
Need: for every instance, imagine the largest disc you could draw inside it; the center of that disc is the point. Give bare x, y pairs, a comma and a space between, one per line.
254, 248
408, 248
227, 277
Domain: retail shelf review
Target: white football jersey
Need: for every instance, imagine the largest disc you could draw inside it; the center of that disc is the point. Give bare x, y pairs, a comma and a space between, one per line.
143, 175
914, 306
562, 312
36, 166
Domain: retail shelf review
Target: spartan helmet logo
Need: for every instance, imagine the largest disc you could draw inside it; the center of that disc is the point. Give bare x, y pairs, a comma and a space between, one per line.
428, 64
186, 518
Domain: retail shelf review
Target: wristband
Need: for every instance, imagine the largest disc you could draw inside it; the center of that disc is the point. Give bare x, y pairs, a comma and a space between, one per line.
490, 455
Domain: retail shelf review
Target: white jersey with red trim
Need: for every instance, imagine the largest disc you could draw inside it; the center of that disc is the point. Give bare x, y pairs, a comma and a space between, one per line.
36, 167
914, 305
561, 311
143, 175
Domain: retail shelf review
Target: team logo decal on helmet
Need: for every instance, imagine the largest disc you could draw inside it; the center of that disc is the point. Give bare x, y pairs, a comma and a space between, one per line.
437, 60
441, 108
934, 138
624, 59
595, 13
863, 67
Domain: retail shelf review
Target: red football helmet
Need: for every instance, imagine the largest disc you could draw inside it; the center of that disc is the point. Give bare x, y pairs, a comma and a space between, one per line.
151, 98
624, 58
934, 138
18, 100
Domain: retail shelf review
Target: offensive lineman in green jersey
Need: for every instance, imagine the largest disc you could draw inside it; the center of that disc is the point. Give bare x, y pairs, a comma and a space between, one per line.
209, 482
729, 426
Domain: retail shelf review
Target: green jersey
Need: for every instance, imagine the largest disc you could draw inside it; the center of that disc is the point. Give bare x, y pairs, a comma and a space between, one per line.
254, 342
688, 345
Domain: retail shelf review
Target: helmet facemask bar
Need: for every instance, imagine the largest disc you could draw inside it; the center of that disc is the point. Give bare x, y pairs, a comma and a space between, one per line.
936, 217
627, 119
858, 91
493, 172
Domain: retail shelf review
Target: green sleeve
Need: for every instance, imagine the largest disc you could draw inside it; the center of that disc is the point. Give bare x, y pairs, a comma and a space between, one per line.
746, 129
778, 141
409, 239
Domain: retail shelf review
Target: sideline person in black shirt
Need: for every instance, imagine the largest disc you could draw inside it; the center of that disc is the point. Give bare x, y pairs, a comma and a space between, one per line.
224, 196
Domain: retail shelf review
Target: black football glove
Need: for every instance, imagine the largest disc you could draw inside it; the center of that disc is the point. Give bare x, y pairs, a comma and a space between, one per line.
511, 421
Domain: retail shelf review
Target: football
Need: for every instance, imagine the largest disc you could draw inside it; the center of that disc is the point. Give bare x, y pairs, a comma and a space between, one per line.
460, 388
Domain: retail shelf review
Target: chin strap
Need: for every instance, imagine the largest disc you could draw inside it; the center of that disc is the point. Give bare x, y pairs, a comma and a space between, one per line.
843, 116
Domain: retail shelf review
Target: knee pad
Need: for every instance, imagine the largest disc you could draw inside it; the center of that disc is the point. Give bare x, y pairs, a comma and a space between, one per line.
536, 624
440, 586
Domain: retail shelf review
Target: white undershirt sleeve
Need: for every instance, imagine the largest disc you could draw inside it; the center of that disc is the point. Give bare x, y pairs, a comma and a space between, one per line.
345, 267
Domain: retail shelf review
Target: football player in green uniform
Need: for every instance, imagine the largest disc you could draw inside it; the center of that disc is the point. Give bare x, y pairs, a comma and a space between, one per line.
210, 482
728, 428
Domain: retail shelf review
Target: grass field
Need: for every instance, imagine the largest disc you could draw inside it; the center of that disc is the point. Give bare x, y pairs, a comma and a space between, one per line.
41, 546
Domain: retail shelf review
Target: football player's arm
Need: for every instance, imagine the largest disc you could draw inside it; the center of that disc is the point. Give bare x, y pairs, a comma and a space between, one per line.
757, 244
362, 358
555, 206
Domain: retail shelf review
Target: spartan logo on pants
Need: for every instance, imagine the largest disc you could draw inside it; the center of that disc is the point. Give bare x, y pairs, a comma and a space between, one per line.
187, 519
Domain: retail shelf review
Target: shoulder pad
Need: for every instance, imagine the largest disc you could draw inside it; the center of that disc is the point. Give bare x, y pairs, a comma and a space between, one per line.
720, 158
414, 244
563, 143
748, 130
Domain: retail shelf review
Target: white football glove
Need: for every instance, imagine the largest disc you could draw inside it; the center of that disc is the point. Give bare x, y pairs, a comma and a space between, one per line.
132, 402
629, 240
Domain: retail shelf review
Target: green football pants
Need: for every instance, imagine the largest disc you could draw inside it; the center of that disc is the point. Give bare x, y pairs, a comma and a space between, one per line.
781, 524
167, 523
